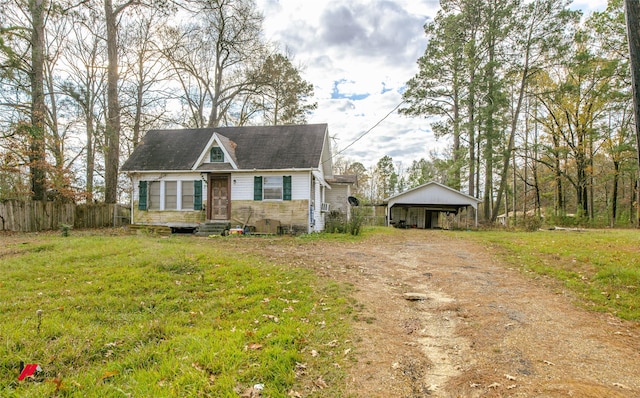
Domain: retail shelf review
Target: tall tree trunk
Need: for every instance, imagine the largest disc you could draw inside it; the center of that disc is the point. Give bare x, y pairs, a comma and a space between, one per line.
37, 157
515, 188
559, 202
472, 143
456, 177
510, 144
471, 109
634, 194
581, 188
477, 174
472, 155
514, 124
525, 169
632, 8
90, 156
534, 164
137, 117
112, 127
488, 176
491, 211
457, 156
58, 176
614, 194
214, 115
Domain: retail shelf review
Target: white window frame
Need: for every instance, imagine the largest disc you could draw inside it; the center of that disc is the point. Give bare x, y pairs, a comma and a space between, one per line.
271, 186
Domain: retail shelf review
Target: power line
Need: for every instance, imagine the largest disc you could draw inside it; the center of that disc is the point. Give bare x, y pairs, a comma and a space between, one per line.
368, 131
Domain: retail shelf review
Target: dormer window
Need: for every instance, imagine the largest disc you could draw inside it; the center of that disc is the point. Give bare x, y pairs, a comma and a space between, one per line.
216, 155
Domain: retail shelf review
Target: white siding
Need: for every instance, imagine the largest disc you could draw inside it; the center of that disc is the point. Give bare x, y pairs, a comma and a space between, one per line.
300, 188
337, 197
242, 184
318, 216
435, 195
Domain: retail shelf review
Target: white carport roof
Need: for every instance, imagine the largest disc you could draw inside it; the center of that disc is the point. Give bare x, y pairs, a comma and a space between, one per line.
433, 196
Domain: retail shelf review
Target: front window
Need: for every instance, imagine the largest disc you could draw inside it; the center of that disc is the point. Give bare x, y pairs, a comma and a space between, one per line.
272, 188
154, 195
187, 195
170, 195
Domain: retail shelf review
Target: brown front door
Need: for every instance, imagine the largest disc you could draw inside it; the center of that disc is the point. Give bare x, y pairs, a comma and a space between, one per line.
219, 203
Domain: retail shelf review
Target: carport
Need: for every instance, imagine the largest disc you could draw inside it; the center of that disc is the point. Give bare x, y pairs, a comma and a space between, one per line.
428, 205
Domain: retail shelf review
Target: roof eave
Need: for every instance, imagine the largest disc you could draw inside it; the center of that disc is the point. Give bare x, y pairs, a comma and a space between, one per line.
292, 169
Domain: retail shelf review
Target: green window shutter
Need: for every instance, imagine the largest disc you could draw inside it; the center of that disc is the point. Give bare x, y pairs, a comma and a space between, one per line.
286, 188
257, 188
142, 195
197, 195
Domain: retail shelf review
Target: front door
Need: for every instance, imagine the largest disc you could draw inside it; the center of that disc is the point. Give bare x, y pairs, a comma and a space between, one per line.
219, 203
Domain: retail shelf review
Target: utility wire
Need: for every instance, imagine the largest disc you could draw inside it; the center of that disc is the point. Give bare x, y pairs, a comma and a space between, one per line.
368, 131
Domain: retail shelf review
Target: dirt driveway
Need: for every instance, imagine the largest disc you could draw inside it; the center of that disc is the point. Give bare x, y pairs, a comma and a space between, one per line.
484, 329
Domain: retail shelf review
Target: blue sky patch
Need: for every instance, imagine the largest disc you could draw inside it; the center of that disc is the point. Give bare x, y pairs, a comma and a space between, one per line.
336, 94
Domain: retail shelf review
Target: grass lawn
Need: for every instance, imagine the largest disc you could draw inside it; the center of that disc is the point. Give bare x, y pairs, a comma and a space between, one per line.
601, 266
147, 316
164, 317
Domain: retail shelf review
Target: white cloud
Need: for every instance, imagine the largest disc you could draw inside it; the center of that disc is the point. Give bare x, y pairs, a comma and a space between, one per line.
359, 55
588, 6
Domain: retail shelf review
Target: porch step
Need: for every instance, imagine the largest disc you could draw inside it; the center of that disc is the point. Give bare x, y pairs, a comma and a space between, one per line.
212, 228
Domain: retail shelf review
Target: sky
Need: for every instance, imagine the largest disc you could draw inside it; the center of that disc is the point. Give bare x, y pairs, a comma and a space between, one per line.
359, 54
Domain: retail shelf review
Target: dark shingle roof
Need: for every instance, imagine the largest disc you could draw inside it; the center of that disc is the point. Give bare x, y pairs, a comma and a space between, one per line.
251, 147
343, 179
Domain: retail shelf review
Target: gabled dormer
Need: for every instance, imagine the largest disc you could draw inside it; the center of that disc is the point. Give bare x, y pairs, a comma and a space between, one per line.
219, 154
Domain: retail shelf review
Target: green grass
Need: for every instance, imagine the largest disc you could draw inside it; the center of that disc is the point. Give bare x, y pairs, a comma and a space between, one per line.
601, 266
366, 232
164, 317
145, 316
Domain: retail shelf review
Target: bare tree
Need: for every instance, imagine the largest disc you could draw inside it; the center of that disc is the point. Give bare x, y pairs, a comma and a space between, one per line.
84, 83
542, 23
37, 158
144, 91
212, 57
112, 130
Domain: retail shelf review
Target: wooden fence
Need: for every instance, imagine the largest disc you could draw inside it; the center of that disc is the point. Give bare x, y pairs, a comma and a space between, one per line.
33, 216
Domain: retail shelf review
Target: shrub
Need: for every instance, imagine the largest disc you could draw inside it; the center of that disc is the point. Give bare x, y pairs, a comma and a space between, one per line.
64, 229
357, 220
531, 224
336, 222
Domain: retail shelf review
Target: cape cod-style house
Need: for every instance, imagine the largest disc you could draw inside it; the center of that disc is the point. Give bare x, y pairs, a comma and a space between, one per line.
269, 178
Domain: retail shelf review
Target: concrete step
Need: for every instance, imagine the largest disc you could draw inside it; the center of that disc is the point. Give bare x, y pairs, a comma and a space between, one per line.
211, 228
